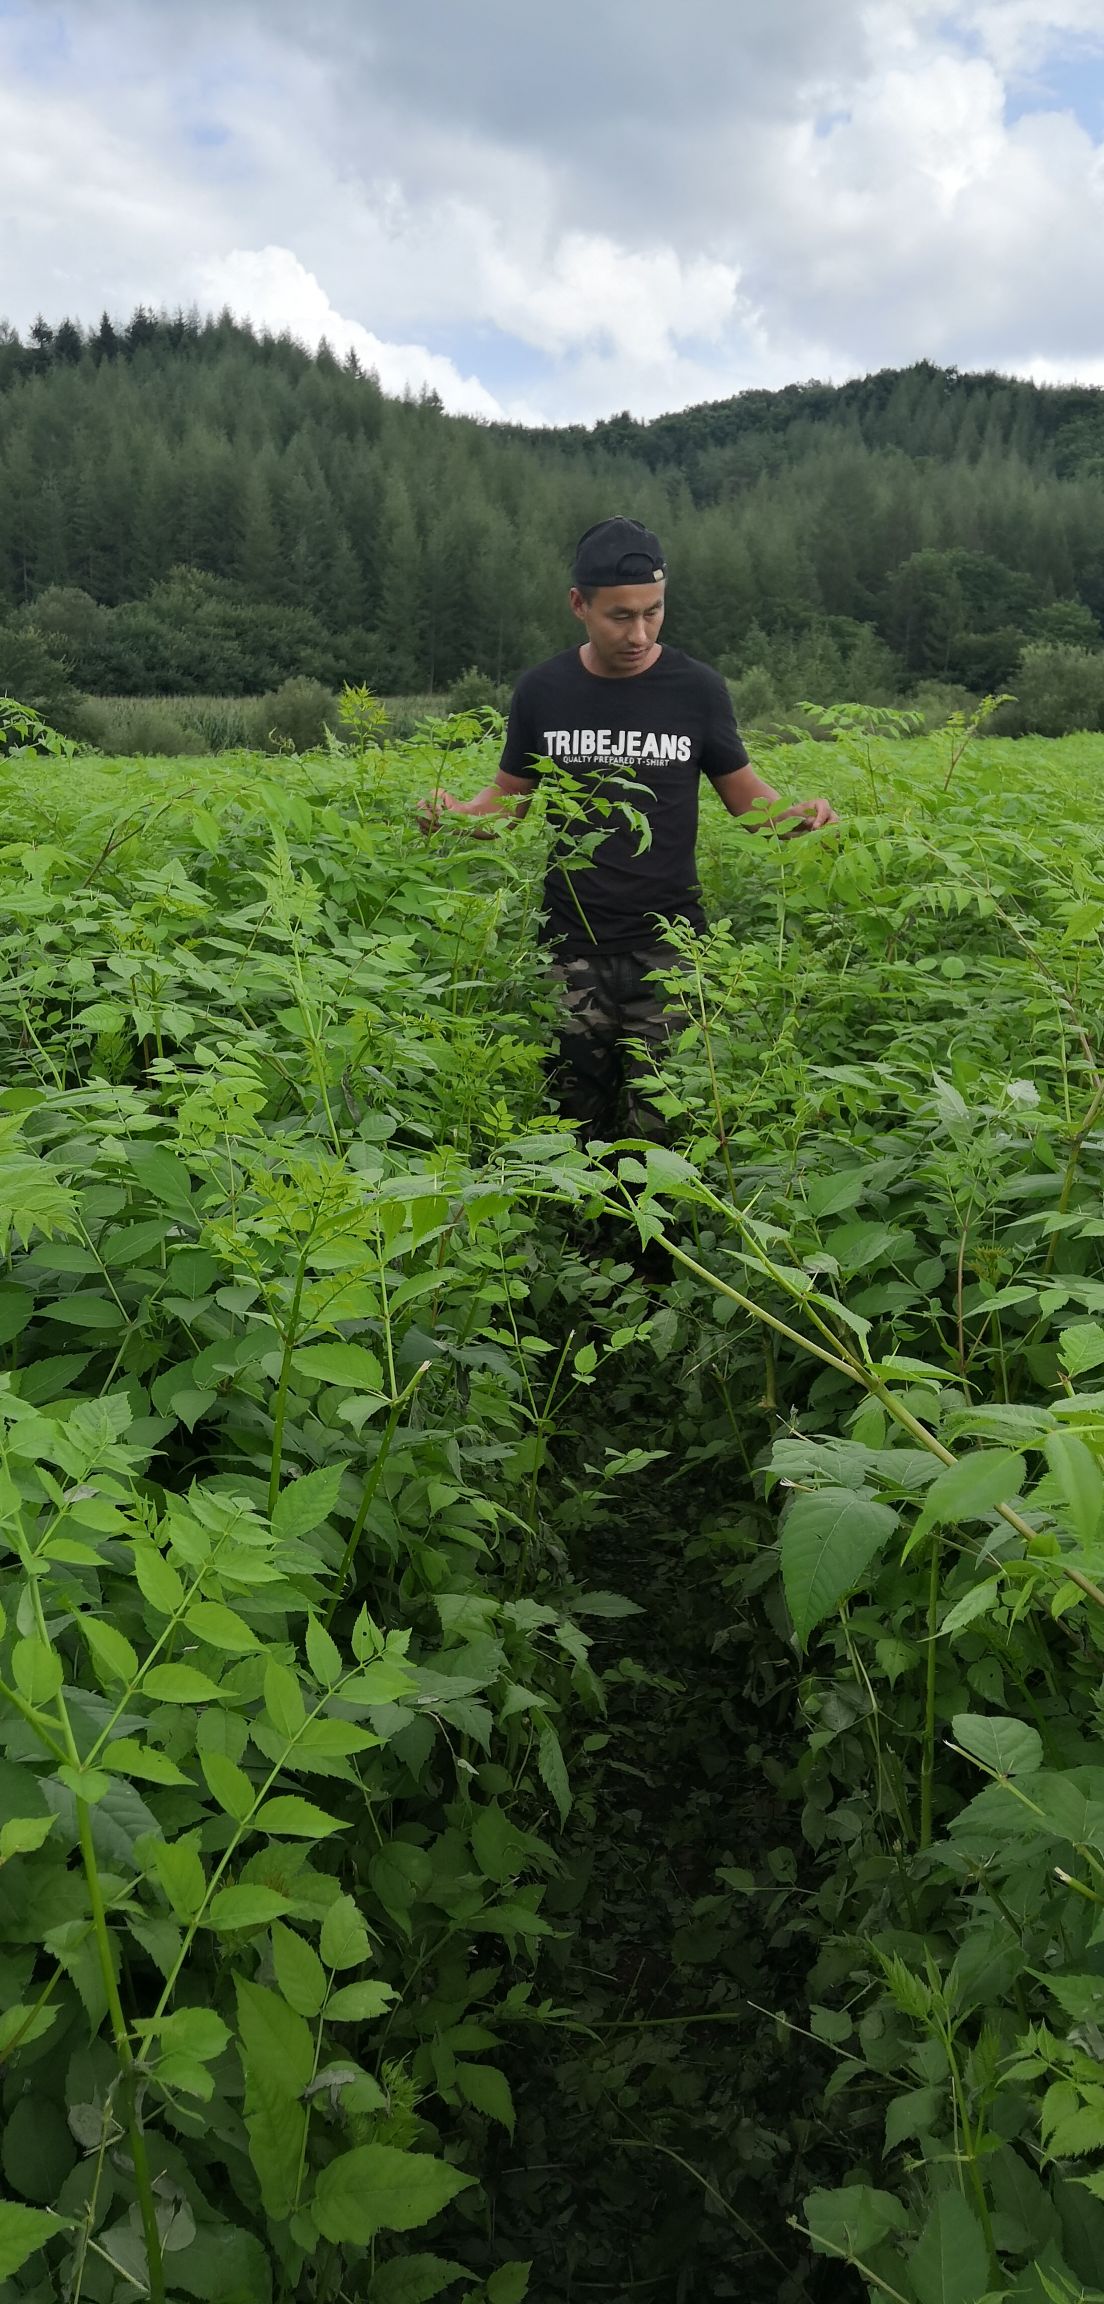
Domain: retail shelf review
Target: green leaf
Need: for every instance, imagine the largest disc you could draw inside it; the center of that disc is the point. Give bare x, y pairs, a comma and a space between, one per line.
228, 1784
222, 2265
345, 1942
134, 1242
87, 1784
180, 1684
499, 1849
19, 2025
277, 2041
487, 2090
194, 2032
1008, 1747
283, 1700
157, 1579
299, 1971
979, 1600
289, 1816
124, 1756
114, 1656
414, 2279
221, 1627
1081, 1348
163, 1176
1071, 1810
36, 1670
16, 1307
830, 1537
304, 1504
853, 2219
180, 1871
1082, 1997
21, 1835
323, 1654
351, 1365
245, 1906
278, 2056
916, 2113
970, 1489
1079, 2132
1079, 1478
827, 1195
38, 2148
950, 2262
358, 2003
87, 1311
553, 1773
860, 1244
22, 2231
510, 2284
379, 2189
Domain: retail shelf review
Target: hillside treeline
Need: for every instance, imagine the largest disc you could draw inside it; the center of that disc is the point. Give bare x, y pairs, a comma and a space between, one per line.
187, 507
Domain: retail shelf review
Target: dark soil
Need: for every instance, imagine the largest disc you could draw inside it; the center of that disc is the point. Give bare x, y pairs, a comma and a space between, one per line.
668, 2123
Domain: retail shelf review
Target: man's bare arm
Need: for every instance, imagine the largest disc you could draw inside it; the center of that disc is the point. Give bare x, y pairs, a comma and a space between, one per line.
742, 791
507, 798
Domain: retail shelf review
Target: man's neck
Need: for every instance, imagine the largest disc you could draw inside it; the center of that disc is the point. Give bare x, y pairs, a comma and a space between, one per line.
590, 663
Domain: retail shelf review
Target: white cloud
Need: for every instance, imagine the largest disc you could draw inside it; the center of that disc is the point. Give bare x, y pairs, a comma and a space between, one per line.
270, 287
640, 301
566, 212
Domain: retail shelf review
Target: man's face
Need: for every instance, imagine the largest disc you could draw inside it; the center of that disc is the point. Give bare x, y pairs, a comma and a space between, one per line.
622, 625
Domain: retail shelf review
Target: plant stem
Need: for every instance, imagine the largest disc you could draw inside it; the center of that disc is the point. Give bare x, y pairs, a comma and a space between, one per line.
127, 2068
280, 1416
370, 1487
901, 1415
129, 2080
927, 1762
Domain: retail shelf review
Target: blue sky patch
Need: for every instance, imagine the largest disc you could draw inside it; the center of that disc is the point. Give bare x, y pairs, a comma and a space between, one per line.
1073, 82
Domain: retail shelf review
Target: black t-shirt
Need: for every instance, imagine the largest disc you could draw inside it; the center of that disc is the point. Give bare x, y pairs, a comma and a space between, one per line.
640, 744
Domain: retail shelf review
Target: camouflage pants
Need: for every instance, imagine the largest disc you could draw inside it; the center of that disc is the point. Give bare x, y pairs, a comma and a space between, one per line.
616, 1027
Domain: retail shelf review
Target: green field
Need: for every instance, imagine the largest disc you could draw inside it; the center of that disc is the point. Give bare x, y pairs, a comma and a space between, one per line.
519, 1777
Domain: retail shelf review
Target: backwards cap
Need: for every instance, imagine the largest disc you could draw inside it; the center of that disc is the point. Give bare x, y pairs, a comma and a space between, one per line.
618, 552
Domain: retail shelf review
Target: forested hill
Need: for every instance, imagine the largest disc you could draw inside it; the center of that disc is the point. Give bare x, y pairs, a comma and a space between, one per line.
186, 506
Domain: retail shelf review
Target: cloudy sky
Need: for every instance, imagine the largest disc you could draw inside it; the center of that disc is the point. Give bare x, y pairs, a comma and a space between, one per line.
559, 209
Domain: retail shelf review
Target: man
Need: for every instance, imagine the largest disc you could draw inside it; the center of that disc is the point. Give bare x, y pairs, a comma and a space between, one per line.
631, 727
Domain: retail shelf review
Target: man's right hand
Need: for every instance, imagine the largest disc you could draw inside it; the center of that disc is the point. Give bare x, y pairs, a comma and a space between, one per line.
430, 812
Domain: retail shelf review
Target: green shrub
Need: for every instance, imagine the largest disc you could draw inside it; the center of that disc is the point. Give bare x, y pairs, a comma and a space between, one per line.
294, 716
474, 689
140, 726
936, 700
32, 670
405, 712
753, 697
1058, 690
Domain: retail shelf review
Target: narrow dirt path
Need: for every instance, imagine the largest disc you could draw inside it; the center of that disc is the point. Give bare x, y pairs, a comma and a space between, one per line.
667, 2125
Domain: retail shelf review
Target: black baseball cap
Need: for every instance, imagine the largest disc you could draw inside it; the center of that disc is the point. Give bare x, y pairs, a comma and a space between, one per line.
618, 552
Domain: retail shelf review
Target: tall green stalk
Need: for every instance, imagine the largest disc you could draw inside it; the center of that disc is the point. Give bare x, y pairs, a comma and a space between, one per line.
927, 1761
